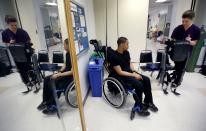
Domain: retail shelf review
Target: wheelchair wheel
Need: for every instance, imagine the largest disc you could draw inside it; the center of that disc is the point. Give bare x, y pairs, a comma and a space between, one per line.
113, 92
71, 95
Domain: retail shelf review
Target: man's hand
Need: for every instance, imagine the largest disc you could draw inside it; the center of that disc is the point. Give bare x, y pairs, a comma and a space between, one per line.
137, 76
55, 76
12, 41
189, 39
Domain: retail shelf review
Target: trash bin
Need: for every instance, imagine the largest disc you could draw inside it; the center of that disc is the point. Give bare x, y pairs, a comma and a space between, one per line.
95, 70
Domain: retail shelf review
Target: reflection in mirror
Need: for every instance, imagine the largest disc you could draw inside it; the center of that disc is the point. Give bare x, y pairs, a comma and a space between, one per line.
39, 66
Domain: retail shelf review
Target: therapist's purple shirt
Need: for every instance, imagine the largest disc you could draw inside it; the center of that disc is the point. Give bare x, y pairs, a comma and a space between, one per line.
179, 33
21, 36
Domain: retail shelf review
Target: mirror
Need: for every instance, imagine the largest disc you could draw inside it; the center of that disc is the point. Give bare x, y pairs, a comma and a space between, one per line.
42, 90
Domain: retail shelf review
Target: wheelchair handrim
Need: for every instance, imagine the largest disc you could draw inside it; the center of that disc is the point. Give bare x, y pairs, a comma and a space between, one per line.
122, 94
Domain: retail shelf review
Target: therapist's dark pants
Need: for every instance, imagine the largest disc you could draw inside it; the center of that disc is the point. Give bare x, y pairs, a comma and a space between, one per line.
179, 70
23, 69
48, 87
140, 86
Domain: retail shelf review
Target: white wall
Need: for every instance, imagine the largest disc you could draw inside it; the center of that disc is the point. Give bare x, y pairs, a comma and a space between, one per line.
179, 6
133, 16
200, 18
84, 58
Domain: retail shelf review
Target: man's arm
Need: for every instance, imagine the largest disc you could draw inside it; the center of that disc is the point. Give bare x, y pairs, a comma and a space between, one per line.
127, 74
67, 73
132, 66
63, 67
120, 72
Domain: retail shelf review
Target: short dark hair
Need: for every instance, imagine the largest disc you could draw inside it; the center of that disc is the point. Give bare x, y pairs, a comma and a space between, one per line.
66, 41
9, 19
188, 14
121, 40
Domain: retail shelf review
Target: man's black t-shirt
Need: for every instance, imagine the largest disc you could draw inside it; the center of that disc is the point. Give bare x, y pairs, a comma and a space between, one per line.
122, 60
68, 63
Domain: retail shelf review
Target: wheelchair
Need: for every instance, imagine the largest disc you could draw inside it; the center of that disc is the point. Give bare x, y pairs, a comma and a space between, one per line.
69, 94
115, 92
43, 64
23, 52
178, 51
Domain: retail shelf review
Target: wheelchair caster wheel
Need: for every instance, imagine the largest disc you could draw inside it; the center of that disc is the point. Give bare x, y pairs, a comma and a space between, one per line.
132, 115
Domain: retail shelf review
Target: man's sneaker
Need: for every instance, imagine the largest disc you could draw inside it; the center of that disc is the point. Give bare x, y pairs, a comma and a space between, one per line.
42, 106
143, 112
50, 110
140, 111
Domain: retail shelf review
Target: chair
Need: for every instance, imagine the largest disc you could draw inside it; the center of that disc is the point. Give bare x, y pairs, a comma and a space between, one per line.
145, 58
58, 58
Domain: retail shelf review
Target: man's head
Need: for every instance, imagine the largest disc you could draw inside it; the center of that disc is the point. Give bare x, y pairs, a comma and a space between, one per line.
187, 18
123, 43
66, 44
11, 22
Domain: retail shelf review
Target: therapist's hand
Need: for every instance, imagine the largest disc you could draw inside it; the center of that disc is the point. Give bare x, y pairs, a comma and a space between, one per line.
188, 38
12, 41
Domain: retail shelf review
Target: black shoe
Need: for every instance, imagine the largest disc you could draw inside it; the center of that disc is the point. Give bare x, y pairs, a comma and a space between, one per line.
50, 110
145, 107
152, 107
42, 106
29, 84
143, 112
140, 111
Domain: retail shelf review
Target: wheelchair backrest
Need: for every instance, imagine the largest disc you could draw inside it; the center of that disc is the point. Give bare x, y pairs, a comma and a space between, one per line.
146, 56
107, 53
18, 52
180, 51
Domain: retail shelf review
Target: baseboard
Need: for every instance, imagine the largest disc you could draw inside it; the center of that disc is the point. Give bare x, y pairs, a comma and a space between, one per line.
87, 94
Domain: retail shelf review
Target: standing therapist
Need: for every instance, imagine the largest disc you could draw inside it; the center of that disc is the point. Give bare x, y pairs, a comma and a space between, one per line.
189, 32
13, 35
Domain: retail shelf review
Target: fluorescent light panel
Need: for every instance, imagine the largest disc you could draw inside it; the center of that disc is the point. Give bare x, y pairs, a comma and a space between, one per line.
51, 3
160, 1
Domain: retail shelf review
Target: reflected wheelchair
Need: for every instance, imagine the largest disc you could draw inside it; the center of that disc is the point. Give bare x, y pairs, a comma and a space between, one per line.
24, 53
114, 90
58, 58
177, 51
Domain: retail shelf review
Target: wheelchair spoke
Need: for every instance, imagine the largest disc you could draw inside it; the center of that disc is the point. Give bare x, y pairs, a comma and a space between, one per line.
113, 93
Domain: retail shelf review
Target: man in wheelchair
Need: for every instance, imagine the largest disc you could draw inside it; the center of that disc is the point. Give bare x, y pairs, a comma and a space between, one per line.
61, 79
123, 70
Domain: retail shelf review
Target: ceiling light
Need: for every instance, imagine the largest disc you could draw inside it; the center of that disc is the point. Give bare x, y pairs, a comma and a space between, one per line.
51, 3
160, 1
